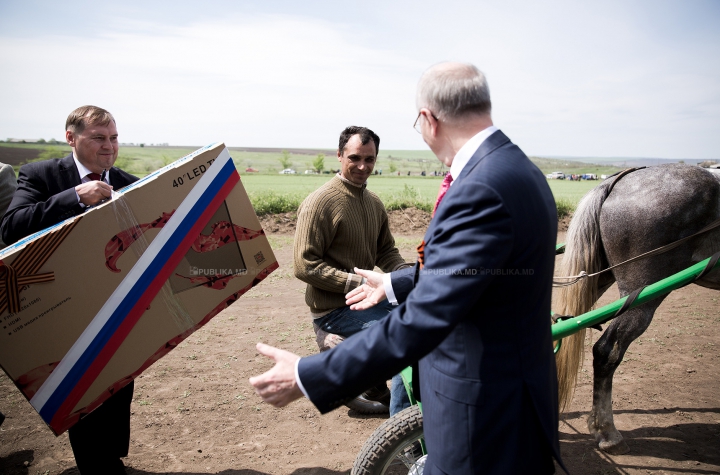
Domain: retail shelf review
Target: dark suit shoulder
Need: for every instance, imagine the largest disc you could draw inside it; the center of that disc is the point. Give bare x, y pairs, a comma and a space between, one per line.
124, 178
45, 166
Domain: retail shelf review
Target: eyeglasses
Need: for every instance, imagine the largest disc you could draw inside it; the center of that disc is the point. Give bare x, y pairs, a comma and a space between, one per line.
416, 125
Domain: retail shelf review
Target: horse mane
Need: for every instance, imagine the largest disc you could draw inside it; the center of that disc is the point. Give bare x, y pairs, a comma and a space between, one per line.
583, 252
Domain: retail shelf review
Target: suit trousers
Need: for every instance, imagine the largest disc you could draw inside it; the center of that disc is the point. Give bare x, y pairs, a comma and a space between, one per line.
100, 438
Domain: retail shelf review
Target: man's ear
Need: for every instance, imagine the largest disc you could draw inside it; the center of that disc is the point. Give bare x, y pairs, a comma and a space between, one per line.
432, 122
339, 155
70, 138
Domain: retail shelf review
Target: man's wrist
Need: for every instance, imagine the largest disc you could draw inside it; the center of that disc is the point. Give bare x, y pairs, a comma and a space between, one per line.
297, 378
389, 292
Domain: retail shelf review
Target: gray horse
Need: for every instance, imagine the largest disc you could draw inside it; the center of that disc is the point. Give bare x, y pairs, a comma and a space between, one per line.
645, 210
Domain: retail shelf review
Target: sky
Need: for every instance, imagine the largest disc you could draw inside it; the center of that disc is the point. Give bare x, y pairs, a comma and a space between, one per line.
583, 79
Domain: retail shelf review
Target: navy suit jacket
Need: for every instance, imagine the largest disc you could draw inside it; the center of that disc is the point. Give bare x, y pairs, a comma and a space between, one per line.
46, 195
478, 319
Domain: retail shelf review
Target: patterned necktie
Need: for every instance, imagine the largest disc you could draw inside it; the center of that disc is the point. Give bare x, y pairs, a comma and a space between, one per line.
441, 194
96, 176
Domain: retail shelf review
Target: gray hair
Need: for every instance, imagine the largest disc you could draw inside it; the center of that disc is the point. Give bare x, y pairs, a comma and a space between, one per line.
453, 90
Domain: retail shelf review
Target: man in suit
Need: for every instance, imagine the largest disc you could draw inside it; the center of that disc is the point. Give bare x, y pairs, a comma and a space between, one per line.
51, 191
475, 309
8, 183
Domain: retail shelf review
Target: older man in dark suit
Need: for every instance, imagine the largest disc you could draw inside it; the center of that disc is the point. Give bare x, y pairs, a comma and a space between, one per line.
49, 192
475, 310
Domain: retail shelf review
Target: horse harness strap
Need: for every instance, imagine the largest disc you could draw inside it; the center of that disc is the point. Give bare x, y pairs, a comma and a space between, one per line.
654, 252
711, 263
636, 293
570, 280
617, 178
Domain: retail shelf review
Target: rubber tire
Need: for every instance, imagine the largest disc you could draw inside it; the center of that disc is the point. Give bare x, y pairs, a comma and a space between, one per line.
362, 405
383, 453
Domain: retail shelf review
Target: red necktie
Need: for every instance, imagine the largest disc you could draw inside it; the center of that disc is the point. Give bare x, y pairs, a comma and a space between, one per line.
443, 189
441, 194
93, 176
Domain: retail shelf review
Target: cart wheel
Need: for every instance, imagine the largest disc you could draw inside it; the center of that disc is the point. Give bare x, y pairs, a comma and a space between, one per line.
362, 405
396, 447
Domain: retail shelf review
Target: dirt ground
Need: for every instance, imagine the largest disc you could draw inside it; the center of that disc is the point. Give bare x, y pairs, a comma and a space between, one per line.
194, 411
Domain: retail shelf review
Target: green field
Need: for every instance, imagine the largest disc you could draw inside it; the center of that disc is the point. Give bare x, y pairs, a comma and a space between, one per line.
273, 193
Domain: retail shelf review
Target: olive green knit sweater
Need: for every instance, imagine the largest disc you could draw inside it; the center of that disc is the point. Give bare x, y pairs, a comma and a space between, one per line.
340, 226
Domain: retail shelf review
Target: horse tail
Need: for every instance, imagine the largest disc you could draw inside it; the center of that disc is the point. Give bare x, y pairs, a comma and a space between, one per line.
583, 252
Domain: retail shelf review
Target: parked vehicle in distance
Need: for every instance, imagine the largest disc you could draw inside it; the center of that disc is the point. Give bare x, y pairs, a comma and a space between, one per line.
714, 169
588, 176
555, 176
250, 170
288, 171
311, 172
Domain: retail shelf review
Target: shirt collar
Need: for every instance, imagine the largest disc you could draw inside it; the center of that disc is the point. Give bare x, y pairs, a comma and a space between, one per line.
466, 152
342, 178
84, 171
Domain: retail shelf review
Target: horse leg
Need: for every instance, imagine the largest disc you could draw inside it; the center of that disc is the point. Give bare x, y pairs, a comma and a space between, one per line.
608, 353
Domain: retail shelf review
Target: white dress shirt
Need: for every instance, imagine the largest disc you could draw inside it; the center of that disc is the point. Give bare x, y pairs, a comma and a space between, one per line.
84, 178
462, 157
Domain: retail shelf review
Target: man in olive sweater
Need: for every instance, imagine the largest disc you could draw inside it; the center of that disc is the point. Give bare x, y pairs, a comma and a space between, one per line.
341, 226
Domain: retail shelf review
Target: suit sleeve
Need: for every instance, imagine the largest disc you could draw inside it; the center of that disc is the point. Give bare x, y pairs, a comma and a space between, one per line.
474, 233
34, 208
402, 282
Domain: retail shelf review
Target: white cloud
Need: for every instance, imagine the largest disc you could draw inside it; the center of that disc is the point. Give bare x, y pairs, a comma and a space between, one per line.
597, 78
257, 81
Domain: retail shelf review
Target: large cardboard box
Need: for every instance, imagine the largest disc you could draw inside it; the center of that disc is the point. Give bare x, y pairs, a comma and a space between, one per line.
88, 304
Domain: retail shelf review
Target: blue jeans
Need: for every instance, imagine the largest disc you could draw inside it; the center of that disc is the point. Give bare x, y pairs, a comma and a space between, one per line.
345, 322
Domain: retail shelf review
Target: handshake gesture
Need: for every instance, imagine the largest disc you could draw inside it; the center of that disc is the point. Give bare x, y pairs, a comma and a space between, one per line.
278, 386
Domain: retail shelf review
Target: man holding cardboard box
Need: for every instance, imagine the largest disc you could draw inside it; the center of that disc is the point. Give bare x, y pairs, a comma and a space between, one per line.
49, 192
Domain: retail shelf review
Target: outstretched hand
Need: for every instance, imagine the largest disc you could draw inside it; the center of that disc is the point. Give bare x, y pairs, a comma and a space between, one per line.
277, 386
371, 293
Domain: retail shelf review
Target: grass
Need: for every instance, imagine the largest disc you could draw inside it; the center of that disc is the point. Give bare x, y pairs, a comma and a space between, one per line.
284, 193
272, 193
565, 207
272, 202
408, 197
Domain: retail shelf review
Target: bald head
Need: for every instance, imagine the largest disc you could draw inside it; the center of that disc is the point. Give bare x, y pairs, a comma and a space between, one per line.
454, 91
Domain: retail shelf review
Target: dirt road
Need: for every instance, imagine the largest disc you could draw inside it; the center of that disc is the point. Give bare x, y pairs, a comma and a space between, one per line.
194, 411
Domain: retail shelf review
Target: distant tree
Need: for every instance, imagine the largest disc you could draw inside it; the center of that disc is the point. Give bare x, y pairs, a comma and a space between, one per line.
681, 161
285, 159
41, 141
319, 163
392, 167
142, 144
53, 141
